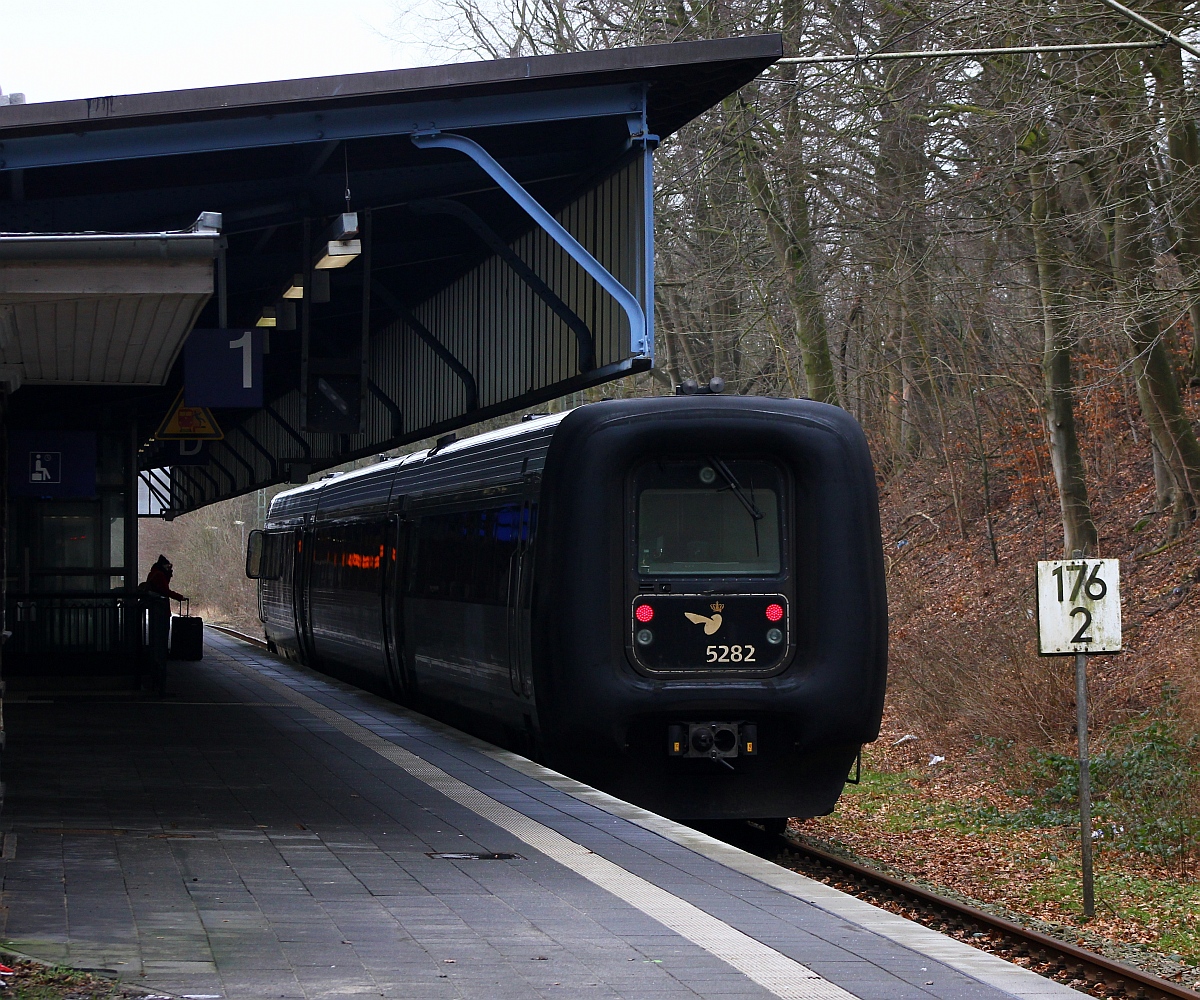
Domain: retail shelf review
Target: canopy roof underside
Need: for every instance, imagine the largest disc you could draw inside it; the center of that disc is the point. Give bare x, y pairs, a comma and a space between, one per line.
100, 310
460, 305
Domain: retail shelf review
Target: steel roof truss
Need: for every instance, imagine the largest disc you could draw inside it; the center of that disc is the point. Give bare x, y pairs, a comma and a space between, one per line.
432, 342
242, 460
290, 431
252, 132
257, 446
447, 206
639, 331
390, 405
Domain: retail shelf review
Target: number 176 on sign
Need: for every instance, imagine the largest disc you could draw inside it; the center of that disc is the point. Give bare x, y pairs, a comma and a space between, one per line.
1079, 606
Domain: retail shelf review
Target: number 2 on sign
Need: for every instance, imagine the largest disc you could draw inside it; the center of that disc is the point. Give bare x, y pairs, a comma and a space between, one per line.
1095, 588
1087, 620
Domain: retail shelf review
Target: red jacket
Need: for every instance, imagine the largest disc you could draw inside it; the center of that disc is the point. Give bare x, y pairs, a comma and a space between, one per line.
159, 583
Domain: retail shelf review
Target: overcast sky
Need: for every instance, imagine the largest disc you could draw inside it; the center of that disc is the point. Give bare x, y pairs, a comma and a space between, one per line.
53, 50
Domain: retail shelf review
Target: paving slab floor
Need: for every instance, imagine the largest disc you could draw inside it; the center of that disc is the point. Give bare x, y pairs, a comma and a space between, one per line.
266, 832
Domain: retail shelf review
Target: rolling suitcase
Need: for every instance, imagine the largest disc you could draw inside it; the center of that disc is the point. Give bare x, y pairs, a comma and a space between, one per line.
187, 635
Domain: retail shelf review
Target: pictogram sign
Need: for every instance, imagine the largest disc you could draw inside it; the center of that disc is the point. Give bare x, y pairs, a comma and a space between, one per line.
188, 423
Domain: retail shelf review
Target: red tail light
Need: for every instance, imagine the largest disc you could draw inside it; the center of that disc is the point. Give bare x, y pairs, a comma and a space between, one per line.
774, 612
644, 613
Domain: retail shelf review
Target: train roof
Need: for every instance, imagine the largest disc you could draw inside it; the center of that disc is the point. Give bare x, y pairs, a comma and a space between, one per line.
511, 455
494, 456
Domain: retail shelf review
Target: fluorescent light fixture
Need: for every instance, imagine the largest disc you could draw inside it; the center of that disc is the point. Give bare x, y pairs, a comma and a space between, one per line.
296, 289
337, 253
267, 318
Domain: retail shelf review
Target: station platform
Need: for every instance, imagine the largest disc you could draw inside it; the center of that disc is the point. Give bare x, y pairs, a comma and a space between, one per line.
263, 831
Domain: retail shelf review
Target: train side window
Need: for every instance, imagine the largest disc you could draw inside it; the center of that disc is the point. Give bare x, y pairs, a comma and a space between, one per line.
348, 557
322, 565
277, 546
465, 555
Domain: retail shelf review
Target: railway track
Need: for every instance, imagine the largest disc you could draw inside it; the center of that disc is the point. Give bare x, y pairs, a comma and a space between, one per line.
244, 636
1066, 963
1077, 967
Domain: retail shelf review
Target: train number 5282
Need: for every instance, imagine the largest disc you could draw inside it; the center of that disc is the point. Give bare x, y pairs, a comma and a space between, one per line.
730, 654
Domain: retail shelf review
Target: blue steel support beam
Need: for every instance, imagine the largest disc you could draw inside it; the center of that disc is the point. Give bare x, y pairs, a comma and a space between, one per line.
638, 329
251, 132
640, 134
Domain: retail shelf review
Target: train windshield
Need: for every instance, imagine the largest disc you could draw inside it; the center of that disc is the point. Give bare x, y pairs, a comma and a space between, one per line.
709, 518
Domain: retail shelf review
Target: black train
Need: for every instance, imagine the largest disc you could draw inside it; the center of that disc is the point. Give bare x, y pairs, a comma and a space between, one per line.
680, 600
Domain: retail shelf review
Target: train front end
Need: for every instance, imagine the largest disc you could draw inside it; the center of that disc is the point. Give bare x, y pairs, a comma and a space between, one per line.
711, 638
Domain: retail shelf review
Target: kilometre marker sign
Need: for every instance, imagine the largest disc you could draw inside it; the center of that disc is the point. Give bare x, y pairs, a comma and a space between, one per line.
1079, 606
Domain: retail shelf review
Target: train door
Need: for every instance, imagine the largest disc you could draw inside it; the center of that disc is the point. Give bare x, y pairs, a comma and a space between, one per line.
300, 596
519, 565
395, 544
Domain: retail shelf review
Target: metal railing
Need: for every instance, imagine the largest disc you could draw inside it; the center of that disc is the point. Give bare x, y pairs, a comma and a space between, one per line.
71, 632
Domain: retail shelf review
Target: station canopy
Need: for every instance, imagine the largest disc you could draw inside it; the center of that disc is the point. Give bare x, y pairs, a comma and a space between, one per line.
412, 251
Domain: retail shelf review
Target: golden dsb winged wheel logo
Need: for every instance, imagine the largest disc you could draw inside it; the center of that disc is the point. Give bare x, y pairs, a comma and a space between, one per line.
710, 624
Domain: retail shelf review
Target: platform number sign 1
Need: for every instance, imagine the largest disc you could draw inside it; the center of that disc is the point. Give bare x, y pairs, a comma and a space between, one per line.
223, 368
1079, 606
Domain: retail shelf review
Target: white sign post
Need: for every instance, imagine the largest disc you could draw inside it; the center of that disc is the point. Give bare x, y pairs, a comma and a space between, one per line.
1079, 612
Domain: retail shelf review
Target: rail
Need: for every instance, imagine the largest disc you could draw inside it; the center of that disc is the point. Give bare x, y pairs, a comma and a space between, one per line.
244, 636
1053, 958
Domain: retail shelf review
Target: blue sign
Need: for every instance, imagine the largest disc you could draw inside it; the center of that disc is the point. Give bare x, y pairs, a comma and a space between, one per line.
223, 368
53, 464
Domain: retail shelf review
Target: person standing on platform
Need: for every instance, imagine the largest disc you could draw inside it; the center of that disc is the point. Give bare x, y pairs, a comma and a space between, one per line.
158, 580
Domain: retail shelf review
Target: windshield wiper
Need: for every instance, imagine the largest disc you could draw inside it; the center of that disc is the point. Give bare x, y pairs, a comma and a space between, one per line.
756, 515
736, 487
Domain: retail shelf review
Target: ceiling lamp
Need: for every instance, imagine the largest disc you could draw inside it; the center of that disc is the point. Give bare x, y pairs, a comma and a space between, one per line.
339, 247
296, 289
267, 318
337, 253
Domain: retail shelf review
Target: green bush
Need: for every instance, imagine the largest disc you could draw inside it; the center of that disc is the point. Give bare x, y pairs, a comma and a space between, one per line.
1144, 785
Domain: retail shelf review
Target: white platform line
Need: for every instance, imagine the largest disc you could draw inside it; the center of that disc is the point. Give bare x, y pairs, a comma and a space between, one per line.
782, 976
1015, 981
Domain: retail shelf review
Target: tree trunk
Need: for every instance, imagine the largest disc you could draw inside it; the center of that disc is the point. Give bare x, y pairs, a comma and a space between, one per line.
1158, 391
901, 172
1079, 529
1183, 182
785, 218
1120, 101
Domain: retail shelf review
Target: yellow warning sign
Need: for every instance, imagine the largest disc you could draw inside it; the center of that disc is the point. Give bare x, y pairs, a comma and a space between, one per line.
188, 423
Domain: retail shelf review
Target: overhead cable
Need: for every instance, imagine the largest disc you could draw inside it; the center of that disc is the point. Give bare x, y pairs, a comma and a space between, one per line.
1158, 29
1009, 50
